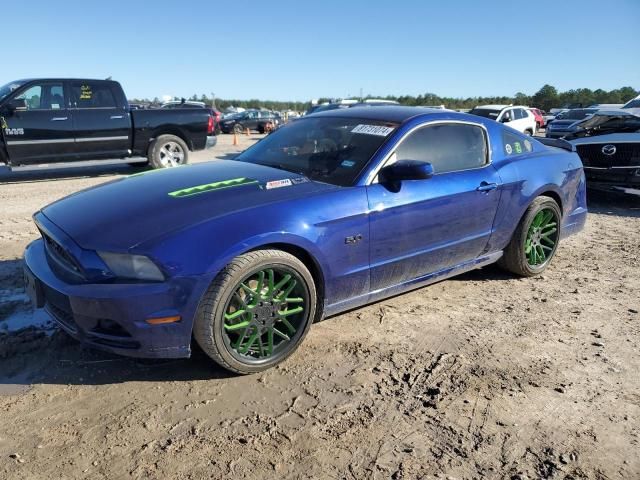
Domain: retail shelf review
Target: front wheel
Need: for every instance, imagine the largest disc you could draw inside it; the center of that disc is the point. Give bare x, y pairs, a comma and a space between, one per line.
168, 151
257, 311
535, 240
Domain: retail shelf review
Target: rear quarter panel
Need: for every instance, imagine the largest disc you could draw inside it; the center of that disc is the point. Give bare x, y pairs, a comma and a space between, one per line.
546, 171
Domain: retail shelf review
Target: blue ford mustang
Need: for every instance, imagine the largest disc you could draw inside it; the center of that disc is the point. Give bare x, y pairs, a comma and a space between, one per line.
328, 213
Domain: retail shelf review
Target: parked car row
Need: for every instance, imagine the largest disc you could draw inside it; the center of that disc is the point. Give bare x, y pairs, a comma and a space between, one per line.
260, 120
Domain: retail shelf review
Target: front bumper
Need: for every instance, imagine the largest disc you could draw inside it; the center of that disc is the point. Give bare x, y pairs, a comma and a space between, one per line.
112, 316
212, 140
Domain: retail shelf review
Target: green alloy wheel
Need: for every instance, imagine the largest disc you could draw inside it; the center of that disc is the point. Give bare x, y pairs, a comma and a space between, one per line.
542, 237
257, 311
535, 240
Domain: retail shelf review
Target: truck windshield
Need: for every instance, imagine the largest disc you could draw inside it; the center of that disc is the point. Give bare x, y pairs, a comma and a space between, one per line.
331, 150
5, 90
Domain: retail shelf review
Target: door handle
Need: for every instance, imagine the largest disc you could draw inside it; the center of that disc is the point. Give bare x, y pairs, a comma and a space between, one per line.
116, 117
59, 119
487, 187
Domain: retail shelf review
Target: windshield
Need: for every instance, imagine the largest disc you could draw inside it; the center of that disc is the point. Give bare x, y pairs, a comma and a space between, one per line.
486, 112
329, 150
633, 104
8, 88
579, 114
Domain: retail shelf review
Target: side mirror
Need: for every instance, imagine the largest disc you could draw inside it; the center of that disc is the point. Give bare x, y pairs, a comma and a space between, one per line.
17, 104
405, 170
505, 120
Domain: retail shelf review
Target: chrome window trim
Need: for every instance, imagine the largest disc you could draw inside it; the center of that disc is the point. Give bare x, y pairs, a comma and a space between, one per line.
373, 176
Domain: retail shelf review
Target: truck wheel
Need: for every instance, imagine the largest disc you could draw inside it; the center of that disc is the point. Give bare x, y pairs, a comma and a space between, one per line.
535, 240
256, 312
168, 151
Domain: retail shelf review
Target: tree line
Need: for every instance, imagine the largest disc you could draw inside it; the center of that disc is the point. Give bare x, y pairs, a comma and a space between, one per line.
546, 98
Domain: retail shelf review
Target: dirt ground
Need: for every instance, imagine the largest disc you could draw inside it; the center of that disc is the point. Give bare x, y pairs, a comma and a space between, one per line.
481, 376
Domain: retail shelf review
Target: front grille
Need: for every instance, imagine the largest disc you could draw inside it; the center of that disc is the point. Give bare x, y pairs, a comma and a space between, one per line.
59, 254
627, 155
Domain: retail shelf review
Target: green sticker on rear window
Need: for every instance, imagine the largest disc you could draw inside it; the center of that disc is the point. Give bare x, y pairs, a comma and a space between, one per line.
210, 187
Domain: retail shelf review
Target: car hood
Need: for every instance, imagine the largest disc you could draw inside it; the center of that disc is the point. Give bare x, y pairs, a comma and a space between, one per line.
124, 213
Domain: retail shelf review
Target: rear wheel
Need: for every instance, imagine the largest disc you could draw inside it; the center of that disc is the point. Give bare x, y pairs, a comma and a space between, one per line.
257, 311
535, 240
168, 151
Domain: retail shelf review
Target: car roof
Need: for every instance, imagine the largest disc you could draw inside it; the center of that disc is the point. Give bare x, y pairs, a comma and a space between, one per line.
386, 113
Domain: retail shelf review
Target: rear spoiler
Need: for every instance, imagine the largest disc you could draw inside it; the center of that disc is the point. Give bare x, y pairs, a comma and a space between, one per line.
558, 143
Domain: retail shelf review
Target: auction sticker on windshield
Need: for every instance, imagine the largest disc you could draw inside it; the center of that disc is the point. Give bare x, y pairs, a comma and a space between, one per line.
378, 130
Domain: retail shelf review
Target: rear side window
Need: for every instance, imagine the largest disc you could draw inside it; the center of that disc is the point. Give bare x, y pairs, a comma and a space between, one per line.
93, 95
514, 144
448, 147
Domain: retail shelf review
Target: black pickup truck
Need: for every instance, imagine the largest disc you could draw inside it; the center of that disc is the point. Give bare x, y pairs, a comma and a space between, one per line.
45, 121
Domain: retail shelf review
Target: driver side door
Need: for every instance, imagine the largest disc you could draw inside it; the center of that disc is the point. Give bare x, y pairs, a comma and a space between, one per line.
433, 224
43, 130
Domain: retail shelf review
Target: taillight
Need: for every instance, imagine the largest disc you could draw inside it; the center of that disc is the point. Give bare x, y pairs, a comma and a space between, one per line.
210, 125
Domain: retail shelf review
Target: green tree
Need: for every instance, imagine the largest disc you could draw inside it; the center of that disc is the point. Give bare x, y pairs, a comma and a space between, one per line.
546, 98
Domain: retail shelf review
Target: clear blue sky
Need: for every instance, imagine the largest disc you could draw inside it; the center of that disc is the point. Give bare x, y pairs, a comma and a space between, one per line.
298, 50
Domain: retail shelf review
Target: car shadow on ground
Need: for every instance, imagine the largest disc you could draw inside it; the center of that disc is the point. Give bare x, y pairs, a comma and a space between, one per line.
616, 204
61, 360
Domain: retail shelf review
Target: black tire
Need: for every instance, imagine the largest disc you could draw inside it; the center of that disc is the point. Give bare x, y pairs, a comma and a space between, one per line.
514, 258
237, 128
168, 151
209, 327
528, 132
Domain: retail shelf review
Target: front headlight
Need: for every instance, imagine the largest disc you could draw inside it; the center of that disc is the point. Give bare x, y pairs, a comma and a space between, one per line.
136, 267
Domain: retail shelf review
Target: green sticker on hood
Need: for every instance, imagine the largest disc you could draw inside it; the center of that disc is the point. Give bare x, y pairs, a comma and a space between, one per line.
209, 187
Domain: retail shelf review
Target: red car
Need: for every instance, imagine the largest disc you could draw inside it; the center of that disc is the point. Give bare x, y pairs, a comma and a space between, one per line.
539, 116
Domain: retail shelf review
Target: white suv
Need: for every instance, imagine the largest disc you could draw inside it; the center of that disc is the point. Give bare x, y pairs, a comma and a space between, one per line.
515, 116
